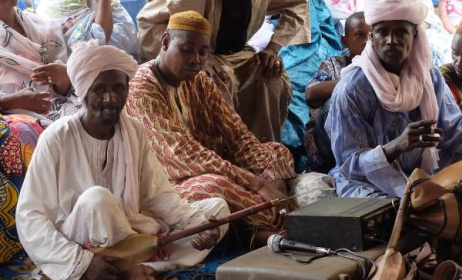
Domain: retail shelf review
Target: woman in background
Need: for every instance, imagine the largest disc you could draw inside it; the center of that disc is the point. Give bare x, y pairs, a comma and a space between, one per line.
104, 20
34, 90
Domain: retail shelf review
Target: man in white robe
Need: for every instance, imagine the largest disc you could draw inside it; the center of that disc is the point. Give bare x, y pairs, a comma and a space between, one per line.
93, 181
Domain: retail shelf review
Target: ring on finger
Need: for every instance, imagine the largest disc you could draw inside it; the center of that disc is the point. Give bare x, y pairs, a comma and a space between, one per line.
283, 211
420, 138
432, 131
50, 80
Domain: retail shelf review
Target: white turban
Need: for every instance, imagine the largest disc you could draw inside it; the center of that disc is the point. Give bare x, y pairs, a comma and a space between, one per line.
88, 60
415, 84
386, 10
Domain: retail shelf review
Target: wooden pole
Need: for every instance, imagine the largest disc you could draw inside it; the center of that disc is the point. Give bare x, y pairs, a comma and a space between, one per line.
138, 248
208, 225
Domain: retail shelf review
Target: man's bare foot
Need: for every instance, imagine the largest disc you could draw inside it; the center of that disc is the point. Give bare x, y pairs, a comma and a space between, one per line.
140, 272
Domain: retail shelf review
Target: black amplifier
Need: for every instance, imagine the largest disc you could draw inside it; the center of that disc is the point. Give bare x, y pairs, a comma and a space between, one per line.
353, 223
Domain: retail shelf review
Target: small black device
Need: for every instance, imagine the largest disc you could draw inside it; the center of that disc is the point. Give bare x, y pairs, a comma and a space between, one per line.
352, 223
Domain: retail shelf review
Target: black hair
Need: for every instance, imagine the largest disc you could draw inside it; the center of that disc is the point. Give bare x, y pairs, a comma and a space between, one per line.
351, 18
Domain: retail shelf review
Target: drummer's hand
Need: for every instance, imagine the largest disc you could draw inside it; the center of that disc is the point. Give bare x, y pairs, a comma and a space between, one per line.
270, 191
207, 239
100, 268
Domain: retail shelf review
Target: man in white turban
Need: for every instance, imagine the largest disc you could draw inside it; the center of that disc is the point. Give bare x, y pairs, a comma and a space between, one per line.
391, 112
93, 181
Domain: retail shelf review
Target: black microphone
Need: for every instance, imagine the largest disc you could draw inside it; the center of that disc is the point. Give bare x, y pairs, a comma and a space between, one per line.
277, 244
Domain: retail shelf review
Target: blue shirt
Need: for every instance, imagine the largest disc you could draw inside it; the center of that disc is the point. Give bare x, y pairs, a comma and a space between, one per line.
358, 126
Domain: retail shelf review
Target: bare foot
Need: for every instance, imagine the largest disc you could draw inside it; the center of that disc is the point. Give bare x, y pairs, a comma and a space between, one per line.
140, 272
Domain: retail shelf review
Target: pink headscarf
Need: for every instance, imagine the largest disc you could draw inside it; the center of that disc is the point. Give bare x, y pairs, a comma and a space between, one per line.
415, 84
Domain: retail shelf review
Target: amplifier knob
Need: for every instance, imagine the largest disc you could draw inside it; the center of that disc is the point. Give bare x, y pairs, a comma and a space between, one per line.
371, 224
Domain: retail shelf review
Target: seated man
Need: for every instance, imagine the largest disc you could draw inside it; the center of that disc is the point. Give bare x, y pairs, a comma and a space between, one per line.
255, 83
200, 140
452, 72
391, 111
101, 183
320, 88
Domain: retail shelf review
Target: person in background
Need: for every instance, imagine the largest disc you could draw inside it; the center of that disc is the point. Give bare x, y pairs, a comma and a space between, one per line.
256, 84
341, 10
320, 88
102, 183
202, 143
104, 20
450, 12
34, 91
391, 111
452, 72
438, 38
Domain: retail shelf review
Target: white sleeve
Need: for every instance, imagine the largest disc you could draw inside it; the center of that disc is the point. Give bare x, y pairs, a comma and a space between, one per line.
36, 214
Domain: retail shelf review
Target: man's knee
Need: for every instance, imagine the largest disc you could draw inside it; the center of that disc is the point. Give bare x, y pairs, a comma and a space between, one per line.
221, 206
218, 208
97, 197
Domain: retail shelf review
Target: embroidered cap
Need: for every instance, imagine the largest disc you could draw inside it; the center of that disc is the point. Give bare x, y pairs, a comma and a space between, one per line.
189, 21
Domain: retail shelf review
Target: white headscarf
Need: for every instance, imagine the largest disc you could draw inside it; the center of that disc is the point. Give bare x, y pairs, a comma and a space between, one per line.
86, 62
415, 84
89, 59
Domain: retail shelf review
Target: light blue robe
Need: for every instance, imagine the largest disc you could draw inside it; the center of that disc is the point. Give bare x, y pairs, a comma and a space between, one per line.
358, 126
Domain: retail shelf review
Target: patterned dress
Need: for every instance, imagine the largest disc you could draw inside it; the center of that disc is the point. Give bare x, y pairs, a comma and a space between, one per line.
203, 145
454, 82
19, 133
317, 144
18, 138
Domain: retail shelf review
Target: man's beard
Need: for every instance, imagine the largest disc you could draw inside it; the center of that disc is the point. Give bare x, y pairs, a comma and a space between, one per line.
109, 120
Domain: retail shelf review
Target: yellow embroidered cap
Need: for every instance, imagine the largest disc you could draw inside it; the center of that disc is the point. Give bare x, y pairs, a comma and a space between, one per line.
189, 21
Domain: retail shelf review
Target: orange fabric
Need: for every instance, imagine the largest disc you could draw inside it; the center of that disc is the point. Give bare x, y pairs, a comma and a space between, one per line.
205, 136
238, 198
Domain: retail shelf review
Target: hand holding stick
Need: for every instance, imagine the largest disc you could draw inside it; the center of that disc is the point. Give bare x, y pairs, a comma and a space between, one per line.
138, 248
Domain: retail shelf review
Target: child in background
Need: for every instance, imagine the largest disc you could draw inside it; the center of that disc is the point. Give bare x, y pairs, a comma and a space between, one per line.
452, 72
320, 89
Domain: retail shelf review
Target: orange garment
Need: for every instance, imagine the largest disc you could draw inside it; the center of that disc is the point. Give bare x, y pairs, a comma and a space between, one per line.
200, 134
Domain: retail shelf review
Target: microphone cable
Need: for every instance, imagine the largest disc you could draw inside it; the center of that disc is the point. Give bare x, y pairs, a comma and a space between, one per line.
357, 257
